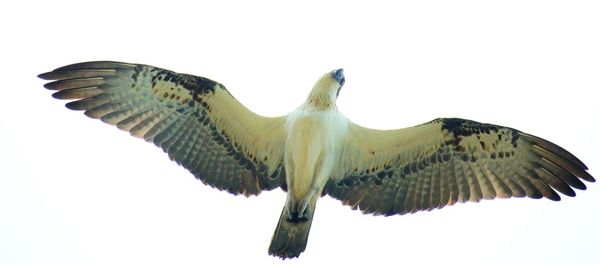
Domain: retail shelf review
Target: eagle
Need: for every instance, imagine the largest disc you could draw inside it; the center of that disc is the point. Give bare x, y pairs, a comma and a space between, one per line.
315, 150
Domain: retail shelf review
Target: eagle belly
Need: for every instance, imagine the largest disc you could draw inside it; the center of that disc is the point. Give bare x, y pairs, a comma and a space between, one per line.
312, 150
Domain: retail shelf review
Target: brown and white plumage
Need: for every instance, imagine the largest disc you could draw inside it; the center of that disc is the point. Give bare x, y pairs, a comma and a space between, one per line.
315, 150
194, 119
450, 160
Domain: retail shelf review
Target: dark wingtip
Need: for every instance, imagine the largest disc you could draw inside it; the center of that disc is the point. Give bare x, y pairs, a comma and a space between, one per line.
558, 150
590, 179
555, 197
45, 76
55, 95
586, 176
568, 192
76, 105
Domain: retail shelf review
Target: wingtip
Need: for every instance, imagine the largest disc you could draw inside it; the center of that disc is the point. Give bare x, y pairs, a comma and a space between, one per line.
590, 179
558, 150
585, 175
99, 64
56, 95
554, 197
45, 76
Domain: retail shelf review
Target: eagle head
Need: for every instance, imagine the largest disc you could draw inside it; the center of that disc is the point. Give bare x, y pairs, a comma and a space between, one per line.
326, 89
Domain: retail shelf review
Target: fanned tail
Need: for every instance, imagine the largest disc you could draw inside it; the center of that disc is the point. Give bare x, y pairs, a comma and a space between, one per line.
291, 235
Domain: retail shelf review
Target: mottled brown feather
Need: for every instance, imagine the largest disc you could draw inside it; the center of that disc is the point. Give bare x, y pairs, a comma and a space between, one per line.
450, 160
193, 119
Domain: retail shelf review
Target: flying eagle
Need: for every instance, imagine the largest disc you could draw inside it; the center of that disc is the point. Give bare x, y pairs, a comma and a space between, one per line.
315, 150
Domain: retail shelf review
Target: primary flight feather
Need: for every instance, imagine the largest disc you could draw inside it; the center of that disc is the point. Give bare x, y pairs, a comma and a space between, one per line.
315, 150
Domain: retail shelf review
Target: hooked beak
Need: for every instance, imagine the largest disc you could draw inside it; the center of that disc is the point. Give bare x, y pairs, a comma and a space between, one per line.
338, 75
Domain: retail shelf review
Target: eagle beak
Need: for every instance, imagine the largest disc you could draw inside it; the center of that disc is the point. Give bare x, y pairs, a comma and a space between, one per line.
338, 75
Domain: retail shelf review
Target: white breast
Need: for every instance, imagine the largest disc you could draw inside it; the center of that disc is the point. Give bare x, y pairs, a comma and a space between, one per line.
327, 128
313, 147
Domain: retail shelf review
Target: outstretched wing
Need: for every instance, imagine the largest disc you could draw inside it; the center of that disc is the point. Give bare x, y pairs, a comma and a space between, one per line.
447, 161
194, 119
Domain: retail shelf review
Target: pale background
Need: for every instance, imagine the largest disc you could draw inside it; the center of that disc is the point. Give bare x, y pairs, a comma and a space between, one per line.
74, 190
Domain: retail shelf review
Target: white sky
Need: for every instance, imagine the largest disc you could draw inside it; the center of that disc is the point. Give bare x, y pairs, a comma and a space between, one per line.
74, 190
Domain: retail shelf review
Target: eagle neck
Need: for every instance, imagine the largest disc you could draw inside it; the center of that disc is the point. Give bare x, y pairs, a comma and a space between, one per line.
320, 101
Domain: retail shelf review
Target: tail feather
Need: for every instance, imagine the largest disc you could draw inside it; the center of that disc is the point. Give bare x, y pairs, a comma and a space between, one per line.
290, 237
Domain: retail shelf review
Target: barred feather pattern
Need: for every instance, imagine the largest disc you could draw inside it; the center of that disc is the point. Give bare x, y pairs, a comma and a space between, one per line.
456, 160
193, 119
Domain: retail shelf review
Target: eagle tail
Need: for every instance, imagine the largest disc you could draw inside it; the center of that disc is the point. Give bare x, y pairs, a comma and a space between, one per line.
291, 235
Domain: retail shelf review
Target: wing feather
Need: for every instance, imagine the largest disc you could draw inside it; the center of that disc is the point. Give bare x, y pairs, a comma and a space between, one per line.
436, 191
487, 191
129, 123
424, 199
453, 186
193, 119
450, 160
417, 204
409, 200
444, 184
501, 188
503, 172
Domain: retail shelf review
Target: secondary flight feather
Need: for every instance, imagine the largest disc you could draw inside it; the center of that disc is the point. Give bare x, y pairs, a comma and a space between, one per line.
315, 150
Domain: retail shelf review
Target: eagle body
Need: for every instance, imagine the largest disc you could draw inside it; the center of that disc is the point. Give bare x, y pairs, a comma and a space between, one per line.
313, 147
315, 150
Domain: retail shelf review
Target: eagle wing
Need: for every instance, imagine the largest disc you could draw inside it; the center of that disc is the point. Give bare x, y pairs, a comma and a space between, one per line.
195, 120
446, 161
